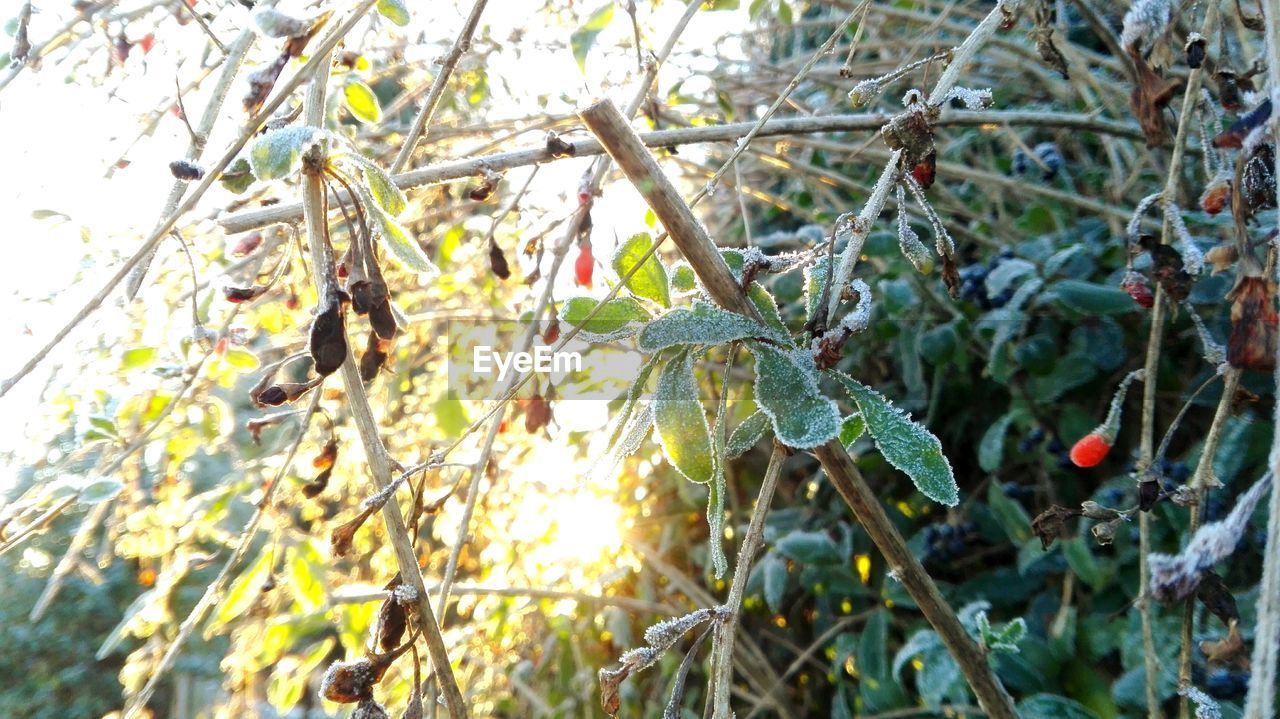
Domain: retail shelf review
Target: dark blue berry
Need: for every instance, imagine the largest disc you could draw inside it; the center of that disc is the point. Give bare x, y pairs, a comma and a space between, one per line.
1055, 445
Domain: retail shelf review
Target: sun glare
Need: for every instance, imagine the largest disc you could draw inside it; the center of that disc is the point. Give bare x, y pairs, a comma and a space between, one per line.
587, 527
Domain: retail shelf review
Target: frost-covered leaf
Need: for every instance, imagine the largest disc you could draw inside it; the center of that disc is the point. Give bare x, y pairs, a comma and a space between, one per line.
851, 429
905, 444
1006, 273
274, 24
809, 547
746, 435
1093, 299
620, 317
702, 324
815, 279
99, 490
650, 281
923, 641
991, 446
278, 153
399, 244
787, 390
381, 187
1002, 639
395, 11
774, 572
680, 422
361, 101
768, 309
683, 278
237, 177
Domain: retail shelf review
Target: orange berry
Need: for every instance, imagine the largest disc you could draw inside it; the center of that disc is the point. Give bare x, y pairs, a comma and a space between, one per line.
1090, 450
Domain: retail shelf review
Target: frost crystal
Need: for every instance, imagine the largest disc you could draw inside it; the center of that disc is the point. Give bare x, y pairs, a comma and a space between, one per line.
1176, 577
704, 324
944, 244
1192, 257
1111, 426
1214, 353
1135, 222
668, 631
1146, 21
865, 91
859, 317
972, 99
912, 247
1206, 707
405, 594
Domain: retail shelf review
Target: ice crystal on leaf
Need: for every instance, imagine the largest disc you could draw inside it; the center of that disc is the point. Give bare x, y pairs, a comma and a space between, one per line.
787, 391
703, 324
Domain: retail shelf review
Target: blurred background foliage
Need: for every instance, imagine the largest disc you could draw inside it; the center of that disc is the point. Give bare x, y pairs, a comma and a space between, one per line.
559, 578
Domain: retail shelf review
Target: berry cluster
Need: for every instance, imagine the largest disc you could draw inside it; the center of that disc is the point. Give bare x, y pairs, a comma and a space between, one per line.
973, 283
947, 542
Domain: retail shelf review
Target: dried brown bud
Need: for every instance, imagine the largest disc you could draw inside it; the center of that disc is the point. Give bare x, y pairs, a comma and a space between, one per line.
186, 170
1050, 524
498, 261
343, 535
1215, 596
1148, 494
1252, 344
558, 147
242, 294
328, 341
1222, 257
262, 82
312, 489
1195, 49
537, 414
392, 623
374, 357
1230, 650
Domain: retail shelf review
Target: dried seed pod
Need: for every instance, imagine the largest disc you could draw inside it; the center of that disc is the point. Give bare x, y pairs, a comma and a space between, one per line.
328, 455
343, 535
278, 394
926, 169
374, 357
370, 709
1252, 344
1233, 137
261, 82
1216, 196
537, 414
558, 147
1230, 650
1168, 272
237, 295
498, 261
1195, 50
1222, 257
393, 621
1257, 181
483, 191
186, 170
1215, 596
1148, 494
349, 682
362, 299
1051, 523
315, 487
247, 244
328, 339
1229, 91
383, 321
552, 333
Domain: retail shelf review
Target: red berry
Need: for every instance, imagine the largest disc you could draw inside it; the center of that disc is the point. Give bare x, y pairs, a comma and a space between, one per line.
584, 266
1216, 197
220, 348
1138, 290
147, 42
1090, 450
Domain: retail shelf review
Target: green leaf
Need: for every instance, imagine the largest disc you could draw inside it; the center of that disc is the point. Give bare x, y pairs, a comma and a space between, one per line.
583, 38
905, 444
768, 310
1013, 519
815, 280
1084, 564
1093, 299
243, 360
991, 446
403, 248
106, 424
787, 390
382, 188
243, 591
747, 434
620, 317
703, 324
679, 420
682, 278
809, 547
278, 153
1050, 706
650, 281
361, 101
774, 572
395, 11
851, 429
99, 490
137, 357
238, 176
306, 575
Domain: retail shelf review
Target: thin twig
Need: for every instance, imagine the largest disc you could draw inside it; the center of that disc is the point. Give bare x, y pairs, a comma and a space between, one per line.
731, 132
367, 425
723, 649
450, 61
